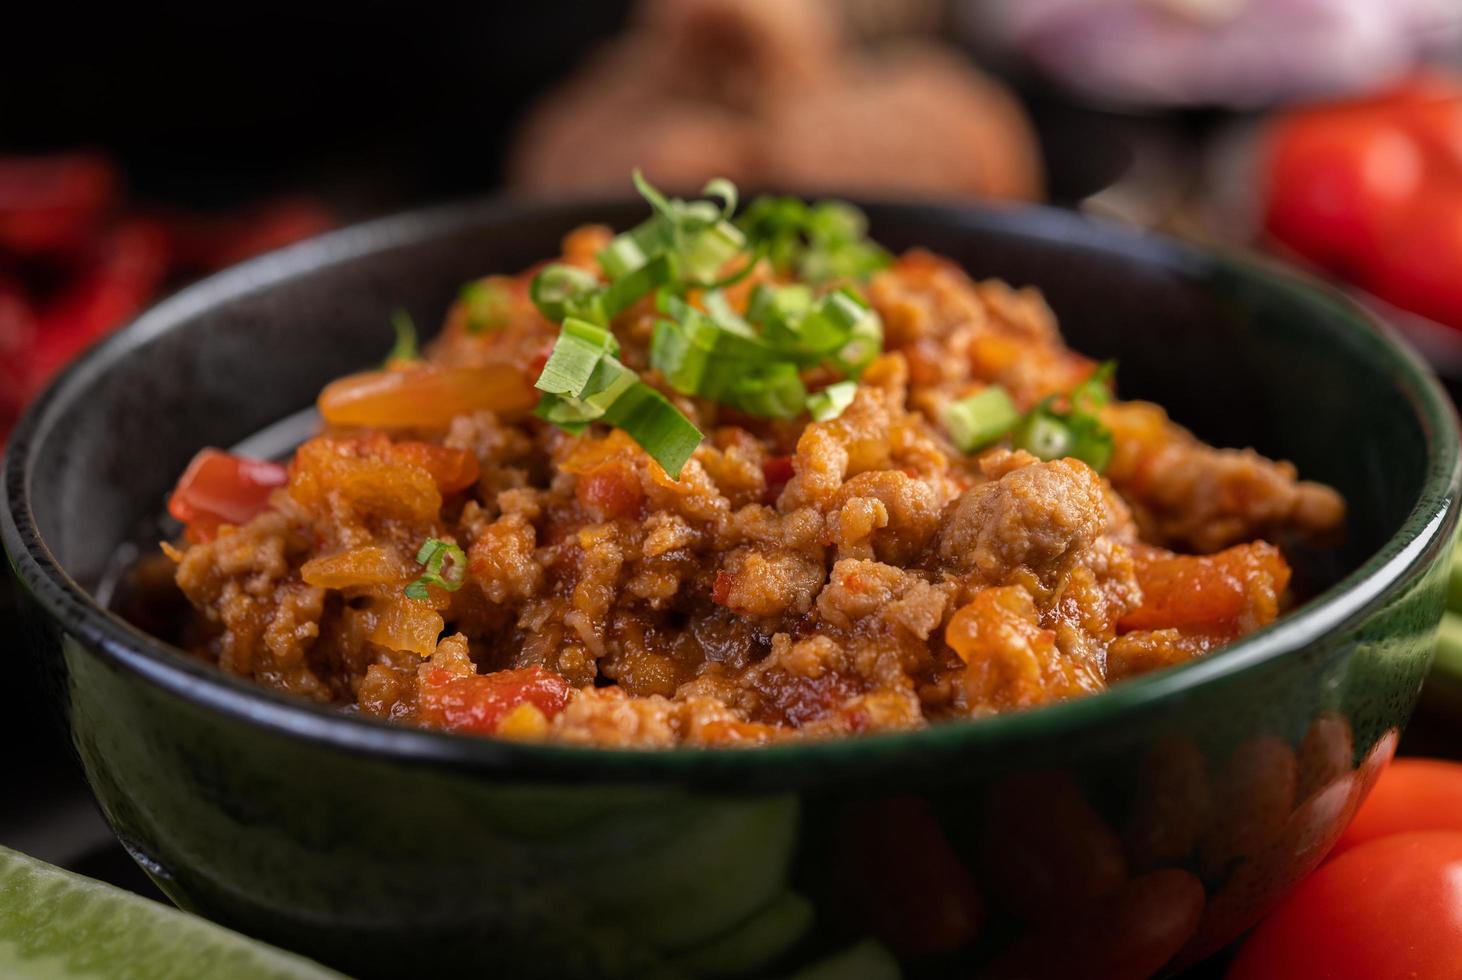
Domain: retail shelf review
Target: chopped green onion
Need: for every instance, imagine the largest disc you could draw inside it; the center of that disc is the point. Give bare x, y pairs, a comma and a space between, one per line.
563, 291
487, 306
975, 422
725, 190
830, 402
1093, 445
405, 348
583, 382
435, 555
821, 243
580, 348
1089, 397
624, 291
1045, 431
648, 418
1044, 435
772, 391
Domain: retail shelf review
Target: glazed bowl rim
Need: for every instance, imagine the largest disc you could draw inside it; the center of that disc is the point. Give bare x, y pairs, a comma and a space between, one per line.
1411, 548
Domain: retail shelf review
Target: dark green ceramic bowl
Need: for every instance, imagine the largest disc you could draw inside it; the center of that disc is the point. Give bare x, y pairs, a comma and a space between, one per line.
1127, 833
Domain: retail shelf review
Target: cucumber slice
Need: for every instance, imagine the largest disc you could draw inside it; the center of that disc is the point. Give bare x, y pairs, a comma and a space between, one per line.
713, 864
55, 925
868, 960
747, 949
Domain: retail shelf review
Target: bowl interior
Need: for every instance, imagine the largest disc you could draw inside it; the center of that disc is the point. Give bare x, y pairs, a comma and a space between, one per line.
1240, 353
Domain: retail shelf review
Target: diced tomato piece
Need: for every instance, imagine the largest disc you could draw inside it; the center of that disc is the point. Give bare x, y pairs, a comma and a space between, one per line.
721, 590
610, 491
778, 472
453, 469
219, 488
1225, 593
477, 703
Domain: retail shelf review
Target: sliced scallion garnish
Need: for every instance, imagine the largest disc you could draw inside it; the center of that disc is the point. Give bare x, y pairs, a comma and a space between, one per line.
975, 422
830, 402
446, 567
487, 305
817, 243
562, 291
583, 382
1046, 431
405, 348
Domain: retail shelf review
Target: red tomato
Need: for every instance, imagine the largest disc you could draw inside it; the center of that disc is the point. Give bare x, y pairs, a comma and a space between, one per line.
1412, 794
1430, 107
1336, 180
1419, 266
478, 702
1388, 908
218, 488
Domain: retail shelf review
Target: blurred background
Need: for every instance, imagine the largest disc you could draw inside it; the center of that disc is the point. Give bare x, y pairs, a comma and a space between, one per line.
143, 148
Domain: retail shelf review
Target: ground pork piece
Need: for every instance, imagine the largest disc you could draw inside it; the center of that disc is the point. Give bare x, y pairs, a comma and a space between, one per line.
1034, 515
607, 718
892, 513
768, 583
885, 710
245, 582
1189, 495
894, 598
501, 560
958, 335
873, 433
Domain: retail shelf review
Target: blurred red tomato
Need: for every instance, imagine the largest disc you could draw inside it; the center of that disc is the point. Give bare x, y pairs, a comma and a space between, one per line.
1388, 908
1335, 182
1419, 264
1412, 794
1372, 189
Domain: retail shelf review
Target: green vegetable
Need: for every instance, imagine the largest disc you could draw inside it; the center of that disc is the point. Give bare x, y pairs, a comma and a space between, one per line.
818, 243
752, 363
405, 348
562, 291
487, 305
719, 355
696, 238
1047, 431
867, 960
583, 382
830, 402
434, 555
59, 926
975, 422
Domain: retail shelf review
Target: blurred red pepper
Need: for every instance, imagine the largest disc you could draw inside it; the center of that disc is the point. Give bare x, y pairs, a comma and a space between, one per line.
129, 268
17, 337
75, 263
1372, 190
51, 204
